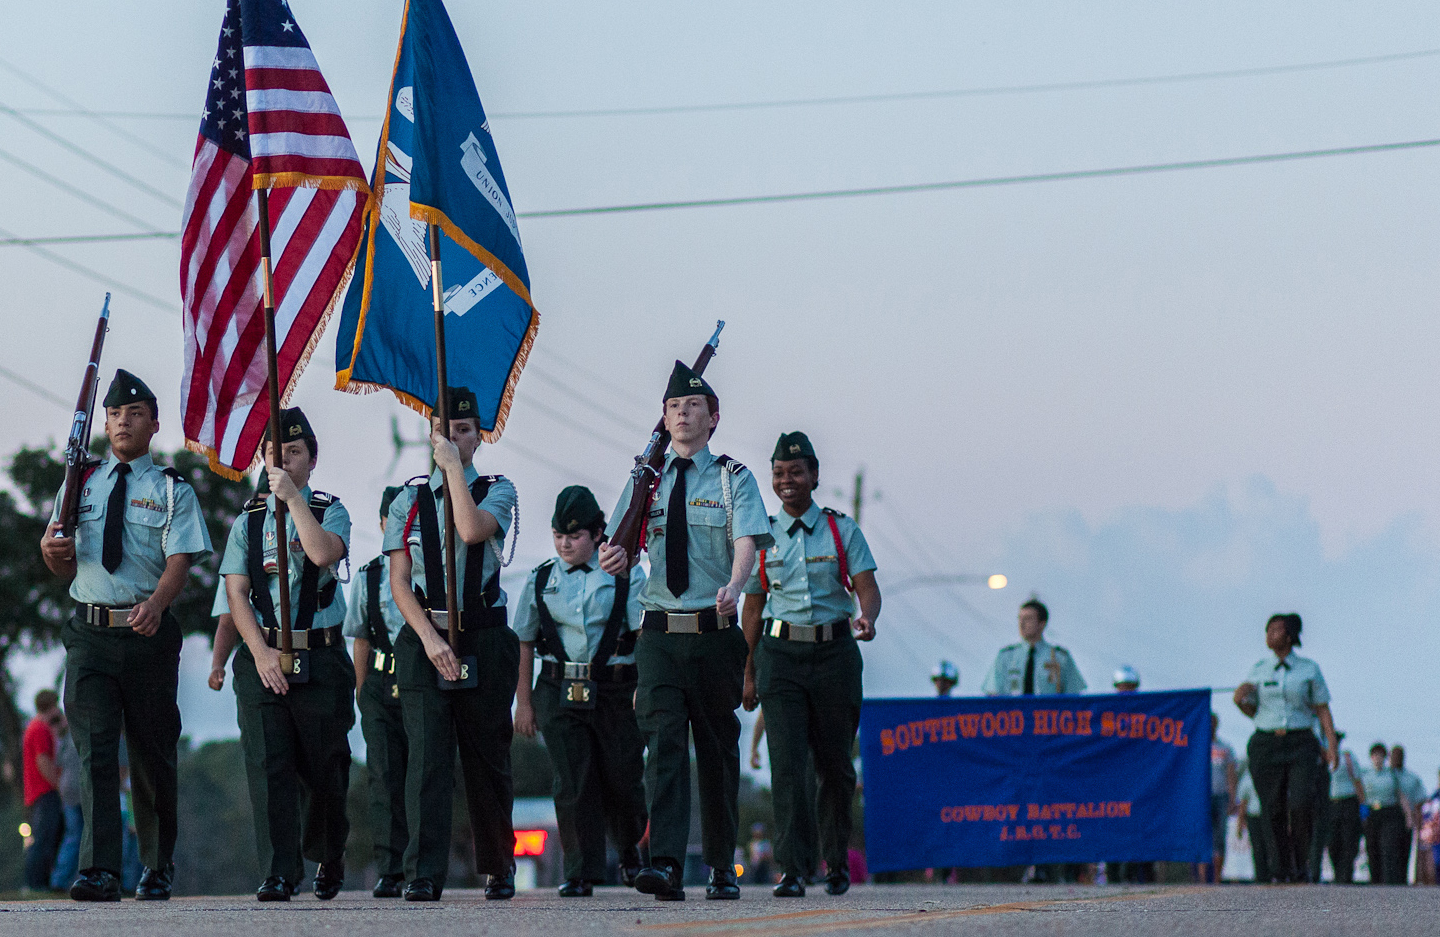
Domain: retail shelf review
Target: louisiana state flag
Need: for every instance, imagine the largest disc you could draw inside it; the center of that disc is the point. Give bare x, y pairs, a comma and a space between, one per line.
436, 164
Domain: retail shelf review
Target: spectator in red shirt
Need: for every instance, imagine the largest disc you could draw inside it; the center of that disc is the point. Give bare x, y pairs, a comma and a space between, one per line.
42, 799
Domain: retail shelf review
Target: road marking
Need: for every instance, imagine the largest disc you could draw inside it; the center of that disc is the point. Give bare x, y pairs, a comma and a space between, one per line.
801, 928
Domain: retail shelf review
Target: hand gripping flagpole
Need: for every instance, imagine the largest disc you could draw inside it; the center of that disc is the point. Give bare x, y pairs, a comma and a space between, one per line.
452, 603
282, 533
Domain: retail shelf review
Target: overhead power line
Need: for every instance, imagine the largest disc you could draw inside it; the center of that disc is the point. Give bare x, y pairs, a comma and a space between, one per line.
1063, 176
36, 389
983, 91
81, 194
117, 285
90, 238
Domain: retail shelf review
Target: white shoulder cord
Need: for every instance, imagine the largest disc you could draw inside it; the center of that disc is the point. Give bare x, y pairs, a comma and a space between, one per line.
514, 536
169, 511
729, 506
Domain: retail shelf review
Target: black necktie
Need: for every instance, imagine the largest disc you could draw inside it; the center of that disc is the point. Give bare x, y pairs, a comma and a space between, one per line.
677, 534
796, 526
111, 552
583, 568
1029, 689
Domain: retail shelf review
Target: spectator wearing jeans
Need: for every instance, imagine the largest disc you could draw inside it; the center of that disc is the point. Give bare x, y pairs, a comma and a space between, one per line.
42, 801
67, 860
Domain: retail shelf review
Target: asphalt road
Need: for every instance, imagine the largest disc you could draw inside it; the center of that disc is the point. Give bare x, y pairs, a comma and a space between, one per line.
1133, 911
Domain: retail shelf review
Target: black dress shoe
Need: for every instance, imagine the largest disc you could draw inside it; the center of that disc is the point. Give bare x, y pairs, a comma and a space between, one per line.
422, 889
576, 888
663, 879
790, 887
722, 886
329, 879
155, 884
389, 886
501, 887
275, 888
96, 885
837, 882
629, 867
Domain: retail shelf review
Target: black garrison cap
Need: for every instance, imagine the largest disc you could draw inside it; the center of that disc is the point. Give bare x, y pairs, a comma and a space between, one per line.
387, 498
684, 382
793, 446
126, 388
463, 405
576, 509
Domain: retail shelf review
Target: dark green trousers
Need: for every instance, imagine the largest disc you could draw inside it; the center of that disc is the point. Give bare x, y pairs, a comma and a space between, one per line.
116, 679
1287, 773
478, 724
1344, 837
690, 685
599, 761
382, 722
810, 694
297, 760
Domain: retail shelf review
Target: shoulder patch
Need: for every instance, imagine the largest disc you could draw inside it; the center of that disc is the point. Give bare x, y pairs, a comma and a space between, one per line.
375, 562
174, 473
322, 499
256, 503
549, 562
417, 481
730, 465
832, 512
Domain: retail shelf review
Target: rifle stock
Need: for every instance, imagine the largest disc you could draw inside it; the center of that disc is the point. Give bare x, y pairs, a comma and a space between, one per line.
649, 463
77, 447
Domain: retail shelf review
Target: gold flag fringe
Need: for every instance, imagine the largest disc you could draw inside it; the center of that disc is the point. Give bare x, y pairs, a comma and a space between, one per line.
300, 180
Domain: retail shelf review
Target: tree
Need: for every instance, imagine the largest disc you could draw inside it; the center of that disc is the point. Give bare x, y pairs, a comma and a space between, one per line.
35, 603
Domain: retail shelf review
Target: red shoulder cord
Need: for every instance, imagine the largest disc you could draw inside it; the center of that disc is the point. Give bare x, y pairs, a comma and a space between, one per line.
840, 554
645, 518
764, 579
410, 521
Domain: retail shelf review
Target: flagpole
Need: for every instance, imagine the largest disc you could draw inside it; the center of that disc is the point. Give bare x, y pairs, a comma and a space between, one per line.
282, 533
452, 617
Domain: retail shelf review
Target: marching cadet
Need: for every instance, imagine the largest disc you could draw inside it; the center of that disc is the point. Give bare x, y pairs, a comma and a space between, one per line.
706, 525
374, 622
294, 734
805, 667
584, 622
139, 530
476, 720
1032, 667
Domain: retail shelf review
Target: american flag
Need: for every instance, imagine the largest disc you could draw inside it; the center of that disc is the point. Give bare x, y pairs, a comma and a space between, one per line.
269, 122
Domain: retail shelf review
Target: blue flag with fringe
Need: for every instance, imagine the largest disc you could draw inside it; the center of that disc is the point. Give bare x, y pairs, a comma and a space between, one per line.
436, 164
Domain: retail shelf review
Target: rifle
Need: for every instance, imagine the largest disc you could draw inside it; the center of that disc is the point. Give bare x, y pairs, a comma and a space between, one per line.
77, 448
648, 464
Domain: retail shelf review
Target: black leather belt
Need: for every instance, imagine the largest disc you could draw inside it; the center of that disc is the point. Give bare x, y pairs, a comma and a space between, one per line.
306, 639
701, 622
104, 616
808, 634
614, 673
470, 620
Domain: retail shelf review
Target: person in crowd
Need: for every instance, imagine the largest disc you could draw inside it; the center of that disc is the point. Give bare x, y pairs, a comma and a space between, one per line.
1386, 832
1223, 778
1252, 823
945, 678
1032, 666
1346, 793
1287, 697
1430, 836
41, 777
67, 859
1412, 796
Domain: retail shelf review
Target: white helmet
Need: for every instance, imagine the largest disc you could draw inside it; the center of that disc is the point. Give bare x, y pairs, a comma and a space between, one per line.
1127, 675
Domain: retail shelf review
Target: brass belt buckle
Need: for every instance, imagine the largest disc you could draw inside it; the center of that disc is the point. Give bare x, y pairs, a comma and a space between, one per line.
682, 622
806, 633
116, 617
1280, 733
577, 671
441, 620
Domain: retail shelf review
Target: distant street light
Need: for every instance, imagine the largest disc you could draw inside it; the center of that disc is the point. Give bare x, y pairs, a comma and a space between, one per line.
996, 581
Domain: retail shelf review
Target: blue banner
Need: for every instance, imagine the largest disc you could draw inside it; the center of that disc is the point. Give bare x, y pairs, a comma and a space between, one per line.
437, 165
1024, 780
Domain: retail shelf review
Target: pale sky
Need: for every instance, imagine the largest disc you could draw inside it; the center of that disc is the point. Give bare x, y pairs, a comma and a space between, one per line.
1169, 404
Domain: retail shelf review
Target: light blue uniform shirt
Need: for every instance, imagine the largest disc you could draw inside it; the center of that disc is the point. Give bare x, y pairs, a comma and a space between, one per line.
803, 568
1289, 691
499, 502
357, 616
580, 600
1341, 784
1412, 787
1245, 792
221, 605
1382, 788
142, 560
237, 563
1055, 671
711, 555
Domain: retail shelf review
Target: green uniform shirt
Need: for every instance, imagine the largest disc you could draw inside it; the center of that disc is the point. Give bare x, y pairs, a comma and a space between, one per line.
580, 599
803, 568
357, 616
237, 562
1289, 691
711, 555
1341, 784
1055, 671
146, 514
1382, 787
499, 502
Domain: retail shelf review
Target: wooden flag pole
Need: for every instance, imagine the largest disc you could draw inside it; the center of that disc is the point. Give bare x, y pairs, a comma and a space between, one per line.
452, 602
282, 533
